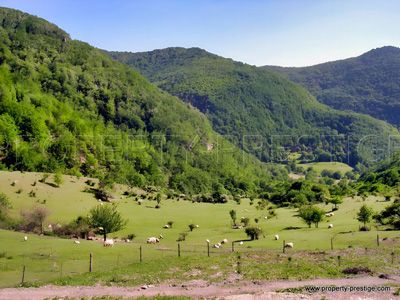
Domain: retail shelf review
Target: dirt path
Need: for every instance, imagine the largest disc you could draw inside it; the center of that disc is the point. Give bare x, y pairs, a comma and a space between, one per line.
238, 290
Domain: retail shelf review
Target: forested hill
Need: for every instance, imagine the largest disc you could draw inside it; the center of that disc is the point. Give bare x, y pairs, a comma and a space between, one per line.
68, 107
368, 84
254, 107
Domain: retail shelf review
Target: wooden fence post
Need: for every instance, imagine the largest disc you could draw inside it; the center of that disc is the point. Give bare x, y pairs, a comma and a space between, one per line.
283, 247
331, 243
179, 249
392, 257
208, 249
233, 246
23, 275
377, 240
140, 254
338, 258
90, 262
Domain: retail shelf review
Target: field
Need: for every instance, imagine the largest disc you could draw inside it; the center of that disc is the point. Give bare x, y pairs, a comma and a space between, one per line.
331, 166
50, 258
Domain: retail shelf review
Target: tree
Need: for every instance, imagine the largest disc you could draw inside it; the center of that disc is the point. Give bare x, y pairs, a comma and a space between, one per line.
34, 218
58, 180
106, 219
336, 200
4, 206
305, 213
311, 214
317, 216
253, 232
364, 215
158, 199
232, 213
390, 215
191, 227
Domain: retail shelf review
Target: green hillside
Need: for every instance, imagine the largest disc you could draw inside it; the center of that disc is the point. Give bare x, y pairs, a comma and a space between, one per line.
260, 110
67, 107
366, 84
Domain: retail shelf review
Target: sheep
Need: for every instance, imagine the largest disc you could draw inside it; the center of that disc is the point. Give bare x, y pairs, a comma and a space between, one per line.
216, 246
331, 214
266, 218
25, 238
197, 226
108, 243
77, 242
166, 226
289, 245
152, 240
241, 243
330, 226
224, 241
276, 237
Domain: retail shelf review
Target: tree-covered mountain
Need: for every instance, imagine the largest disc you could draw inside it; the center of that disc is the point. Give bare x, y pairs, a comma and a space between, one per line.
259, 110
368, 84
68, 107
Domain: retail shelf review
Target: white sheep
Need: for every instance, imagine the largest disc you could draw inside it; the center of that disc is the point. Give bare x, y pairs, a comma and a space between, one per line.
330, 226
108, 243
166, 226
266, 218
77, 242
224, 241
216, 246
241, 243
276, 237
197, 226
25, 238
289, 245
152, 240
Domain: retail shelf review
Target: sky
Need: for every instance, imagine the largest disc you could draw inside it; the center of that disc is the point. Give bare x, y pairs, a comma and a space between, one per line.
269, 32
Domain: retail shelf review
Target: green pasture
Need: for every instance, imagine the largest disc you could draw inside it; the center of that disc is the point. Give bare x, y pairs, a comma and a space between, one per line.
50, 257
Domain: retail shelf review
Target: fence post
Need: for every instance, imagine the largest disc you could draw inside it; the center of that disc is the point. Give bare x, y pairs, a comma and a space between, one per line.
61, 269
208, 249
338, 258
392, 257
179, 249
331, 243
140, 254
90, 262
233, 246
283, 247
23, 275
377, 240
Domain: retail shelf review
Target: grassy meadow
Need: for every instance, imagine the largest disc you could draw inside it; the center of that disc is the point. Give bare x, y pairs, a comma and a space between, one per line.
49, 258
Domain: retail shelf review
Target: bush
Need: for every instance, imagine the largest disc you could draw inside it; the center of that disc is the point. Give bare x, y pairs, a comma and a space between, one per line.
182, 237
253, 232
191, 227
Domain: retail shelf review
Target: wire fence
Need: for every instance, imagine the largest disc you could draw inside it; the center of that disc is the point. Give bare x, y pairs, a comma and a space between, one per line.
47, 265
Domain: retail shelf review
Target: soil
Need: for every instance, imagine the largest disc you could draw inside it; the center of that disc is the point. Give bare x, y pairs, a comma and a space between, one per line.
234, 289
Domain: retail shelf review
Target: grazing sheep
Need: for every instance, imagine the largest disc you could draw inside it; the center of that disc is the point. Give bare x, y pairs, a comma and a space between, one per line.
77, 242
166, 226
241, 243
330, 214
152, 240
289, 245
197, 226
330, 226
25, 238
108, 243
266, 218
216, 246
224, 241
276, 237
128, 240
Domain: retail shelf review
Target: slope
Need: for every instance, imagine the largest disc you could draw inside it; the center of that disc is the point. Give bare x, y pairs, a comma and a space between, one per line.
67, 107
367, 84
259, 110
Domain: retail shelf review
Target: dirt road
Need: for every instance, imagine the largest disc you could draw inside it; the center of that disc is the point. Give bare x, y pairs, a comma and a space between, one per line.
238, 290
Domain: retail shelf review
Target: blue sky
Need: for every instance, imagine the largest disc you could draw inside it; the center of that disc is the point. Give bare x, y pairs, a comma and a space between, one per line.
273, 32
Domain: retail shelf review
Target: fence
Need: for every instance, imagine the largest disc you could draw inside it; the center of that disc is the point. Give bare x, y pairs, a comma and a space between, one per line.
47, 264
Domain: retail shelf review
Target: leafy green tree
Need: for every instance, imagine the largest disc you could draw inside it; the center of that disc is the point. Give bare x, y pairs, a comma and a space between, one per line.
311, 214
253, 232
58, 180
365, 214
390, 215
336, 200
232, 214
5, 205
106, 219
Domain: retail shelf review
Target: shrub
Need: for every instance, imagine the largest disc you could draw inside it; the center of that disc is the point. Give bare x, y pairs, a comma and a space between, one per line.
182, 237
253, 232
191, 227
170, 223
